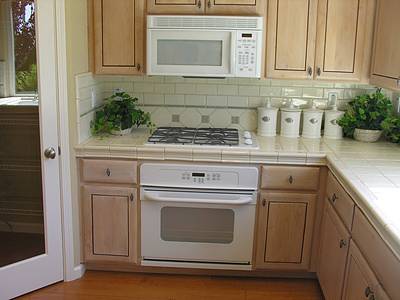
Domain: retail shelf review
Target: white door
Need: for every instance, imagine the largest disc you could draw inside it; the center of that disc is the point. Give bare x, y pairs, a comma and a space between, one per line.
40, 262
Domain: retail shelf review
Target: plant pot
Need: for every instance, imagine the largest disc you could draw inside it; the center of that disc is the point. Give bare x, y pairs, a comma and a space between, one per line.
122, 131
368, 136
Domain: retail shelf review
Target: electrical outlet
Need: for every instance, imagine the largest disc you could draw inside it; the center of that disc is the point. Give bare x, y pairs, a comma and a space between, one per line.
332, 98
93, 97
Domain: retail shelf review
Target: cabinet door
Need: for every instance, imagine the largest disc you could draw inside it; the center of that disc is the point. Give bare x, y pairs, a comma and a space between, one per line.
285, 230
386, 57
344, 35
360, 280
176, 7
291, 33
334, 242
236, 7
118, 28
110, 224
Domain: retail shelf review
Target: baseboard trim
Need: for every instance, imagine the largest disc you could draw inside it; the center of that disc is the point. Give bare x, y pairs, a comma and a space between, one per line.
76, 273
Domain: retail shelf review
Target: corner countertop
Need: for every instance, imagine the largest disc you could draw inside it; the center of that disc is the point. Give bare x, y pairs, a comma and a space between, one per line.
369, 172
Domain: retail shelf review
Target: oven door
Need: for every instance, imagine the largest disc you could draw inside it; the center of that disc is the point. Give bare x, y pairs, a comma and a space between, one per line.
197, 227
191, 52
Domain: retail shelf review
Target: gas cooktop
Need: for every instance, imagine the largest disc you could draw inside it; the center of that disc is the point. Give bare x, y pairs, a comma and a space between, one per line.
227, 137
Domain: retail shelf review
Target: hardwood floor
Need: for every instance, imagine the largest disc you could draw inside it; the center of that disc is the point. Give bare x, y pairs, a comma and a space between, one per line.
124, 286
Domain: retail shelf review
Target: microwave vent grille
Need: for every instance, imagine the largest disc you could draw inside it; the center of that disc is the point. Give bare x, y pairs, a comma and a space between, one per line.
250, 23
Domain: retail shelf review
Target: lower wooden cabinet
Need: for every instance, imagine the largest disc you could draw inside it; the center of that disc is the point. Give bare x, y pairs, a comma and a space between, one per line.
110, 223
285, 227
334, 244
360, 281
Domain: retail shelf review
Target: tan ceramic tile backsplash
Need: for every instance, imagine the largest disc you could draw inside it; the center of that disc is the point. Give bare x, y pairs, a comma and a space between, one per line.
177, 101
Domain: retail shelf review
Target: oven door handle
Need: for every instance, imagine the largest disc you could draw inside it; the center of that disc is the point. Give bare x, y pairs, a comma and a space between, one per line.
155, 196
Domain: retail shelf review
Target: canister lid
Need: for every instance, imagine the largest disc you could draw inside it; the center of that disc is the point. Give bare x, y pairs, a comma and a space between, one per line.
314, 109
291, 107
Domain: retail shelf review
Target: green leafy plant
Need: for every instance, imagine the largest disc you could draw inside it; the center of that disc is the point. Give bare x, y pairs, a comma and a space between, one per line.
391, 128
366, 111
119, 112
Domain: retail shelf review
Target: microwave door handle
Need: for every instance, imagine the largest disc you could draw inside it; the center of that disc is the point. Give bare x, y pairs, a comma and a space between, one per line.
154, 196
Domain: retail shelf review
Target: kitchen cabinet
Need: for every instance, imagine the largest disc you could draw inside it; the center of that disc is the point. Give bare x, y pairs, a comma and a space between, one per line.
334, 243
285, 230
117, 30
220, 7
110, 224
310, 39
360, 280
386, 55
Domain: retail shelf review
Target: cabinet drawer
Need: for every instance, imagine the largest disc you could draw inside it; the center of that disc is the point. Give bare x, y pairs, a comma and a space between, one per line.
109, 171
340, 200
290, 178
378, 255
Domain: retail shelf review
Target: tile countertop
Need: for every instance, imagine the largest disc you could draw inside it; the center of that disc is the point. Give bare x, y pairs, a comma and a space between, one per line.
369, 172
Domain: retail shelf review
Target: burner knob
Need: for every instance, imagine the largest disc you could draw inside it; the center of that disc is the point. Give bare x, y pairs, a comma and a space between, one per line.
248, 141
247, 135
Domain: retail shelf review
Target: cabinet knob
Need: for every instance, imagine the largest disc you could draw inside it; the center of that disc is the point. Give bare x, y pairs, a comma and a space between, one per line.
138, 67
319, 71
342, 244
199, 4
334, 198
209, 4
264, 202
291, 179
309, 71
131, 197
108, 172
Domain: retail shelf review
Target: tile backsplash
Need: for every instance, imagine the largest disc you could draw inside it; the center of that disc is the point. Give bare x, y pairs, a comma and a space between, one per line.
177, 101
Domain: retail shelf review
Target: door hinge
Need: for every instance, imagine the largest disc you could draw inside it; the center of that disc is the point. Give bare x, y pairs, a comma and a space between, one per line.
59, 150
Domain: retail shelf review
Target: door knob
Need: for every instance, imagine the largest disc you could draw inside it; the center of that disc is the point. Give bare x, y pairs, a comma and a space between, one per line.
50, 153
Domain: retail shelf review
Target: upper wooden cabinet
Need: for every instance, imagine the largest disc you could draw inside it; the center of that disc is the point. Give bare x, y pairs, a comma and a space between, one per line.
319, 39
386, 56
221, 7
285, 227
291, 31
117, 42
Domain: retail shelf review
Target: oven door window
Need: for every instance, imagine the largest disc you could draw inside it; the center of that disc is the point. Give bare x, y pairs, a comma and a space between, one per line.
197, 225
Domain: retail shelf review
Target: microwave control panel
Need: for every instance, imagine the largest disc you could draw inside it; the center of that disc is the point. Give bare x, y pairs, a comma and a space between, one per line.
247, 54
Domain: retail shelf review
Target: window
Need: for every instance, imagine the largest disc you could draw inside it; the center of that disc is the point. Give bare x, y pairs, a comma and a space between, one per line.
23, 48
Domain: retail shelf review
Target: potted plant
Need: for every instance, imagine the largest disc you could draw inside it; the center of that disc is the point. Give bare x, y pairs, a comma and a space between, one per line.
391, 128
119, 115
364, 117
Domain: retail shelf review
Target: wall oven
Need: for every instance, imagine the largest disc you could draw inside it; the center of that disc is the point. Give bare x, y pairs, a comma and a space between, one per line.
198, 216
204, 46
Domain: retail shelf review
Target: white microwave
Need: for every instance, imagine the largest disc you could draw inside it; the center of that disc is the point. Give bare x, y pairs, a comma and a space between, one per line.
204, 46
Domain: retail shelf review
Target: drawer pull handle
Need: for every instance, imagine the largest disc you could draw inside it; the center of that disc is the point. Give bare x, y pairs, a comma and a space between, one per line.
367, 291
291, 179
264, 202
334, 198
209, 4
108, 172
131, 197
343, 243
199, 4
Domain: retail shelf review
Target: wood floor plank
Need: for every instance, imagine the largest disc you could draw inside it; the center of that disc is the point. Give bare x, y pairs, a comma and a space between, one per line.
124, 286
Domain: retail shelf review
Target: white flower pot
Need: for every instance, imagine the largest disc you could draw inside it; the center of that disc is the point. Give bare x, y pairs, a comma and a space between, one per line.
122, 132
368, 136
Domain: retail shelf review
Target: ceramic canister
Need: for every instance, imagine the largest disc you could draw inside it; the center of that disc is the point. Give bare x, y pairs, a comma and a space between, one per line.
332, 129
312, 123
267, 118
290, 121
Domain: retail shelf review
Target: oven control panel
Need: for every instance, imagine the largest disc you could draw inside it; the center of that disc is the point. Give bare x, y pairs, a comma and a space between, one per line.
201, 177
198, 176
